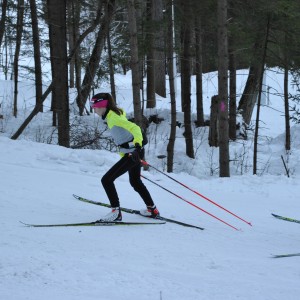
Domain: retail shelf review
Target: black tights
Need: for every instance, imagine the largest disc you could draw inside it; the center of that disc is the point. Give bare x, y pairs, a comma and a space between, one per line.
125, 164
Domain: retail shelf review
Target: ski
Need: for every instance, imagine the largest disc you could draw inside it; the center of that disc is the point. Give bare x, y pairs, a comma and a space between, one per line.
286, 218
136, 212
116, 223
286, 255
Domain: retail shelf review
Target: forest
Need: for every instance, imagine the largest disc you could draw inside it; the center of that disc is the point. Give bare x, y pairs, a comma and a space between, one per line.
63, 44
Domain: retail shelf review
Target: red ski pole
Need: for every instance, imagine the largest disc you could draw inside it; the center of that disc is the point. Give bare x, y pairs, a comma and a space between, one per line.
197, 193
190, 203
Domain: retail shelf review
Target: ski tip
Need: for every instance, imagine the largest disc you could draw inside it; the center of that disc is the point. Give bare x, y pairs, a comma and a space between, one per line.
26, 224
285, 255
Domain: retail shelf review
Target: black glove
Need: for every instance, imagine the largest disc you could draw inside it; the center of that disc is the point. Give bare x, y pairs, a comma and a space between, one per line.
137, 153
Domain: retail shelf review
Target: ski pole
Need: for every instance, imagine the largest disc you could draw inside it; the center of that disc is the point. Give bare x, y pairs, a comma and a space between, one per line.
190, 203
197, 193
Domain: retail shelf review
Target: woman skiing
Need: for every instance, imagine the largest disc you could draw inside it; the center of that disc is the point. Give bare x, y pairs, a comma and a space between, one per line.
128, 136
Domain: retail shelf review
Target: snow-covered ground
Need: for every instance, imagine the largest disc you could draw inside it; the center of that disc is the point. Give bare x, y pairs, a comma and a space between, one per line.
147, 262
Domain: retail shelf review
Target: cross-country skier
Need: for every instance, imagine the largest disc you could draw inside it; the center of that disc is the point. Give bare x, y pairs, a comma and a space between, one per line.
128, 136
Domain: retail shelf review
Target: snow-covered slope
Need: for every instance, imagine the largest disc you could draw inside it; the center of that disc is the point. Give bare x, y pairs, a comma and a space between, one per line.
143, 263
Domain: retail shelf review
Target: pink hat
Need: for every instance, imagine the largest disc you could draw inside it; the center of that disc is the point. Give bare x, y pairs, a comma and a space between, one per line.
98, 103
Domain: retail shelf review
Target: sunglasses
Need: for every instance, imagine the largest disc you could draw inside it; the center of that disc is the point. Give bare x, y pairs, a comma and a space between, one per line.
102, 102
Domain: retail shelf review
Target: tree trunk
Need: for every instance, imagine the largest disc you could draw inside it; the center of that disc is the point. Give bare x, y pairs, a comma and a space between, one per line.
286, 110
37, 53
77, 56
111, 66
286, 98
223, 89
249, 97
17, 53
71, 39
134, 62
232, 96
2, 21
263, 59
139, 6
59, 66
199, 85
159, 46
213, 135
186, 75
150, 62
170, 63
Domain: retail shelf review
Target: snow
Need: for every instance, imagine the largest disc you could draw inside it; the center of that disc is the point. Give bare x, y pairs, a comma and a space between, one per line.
147, 262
